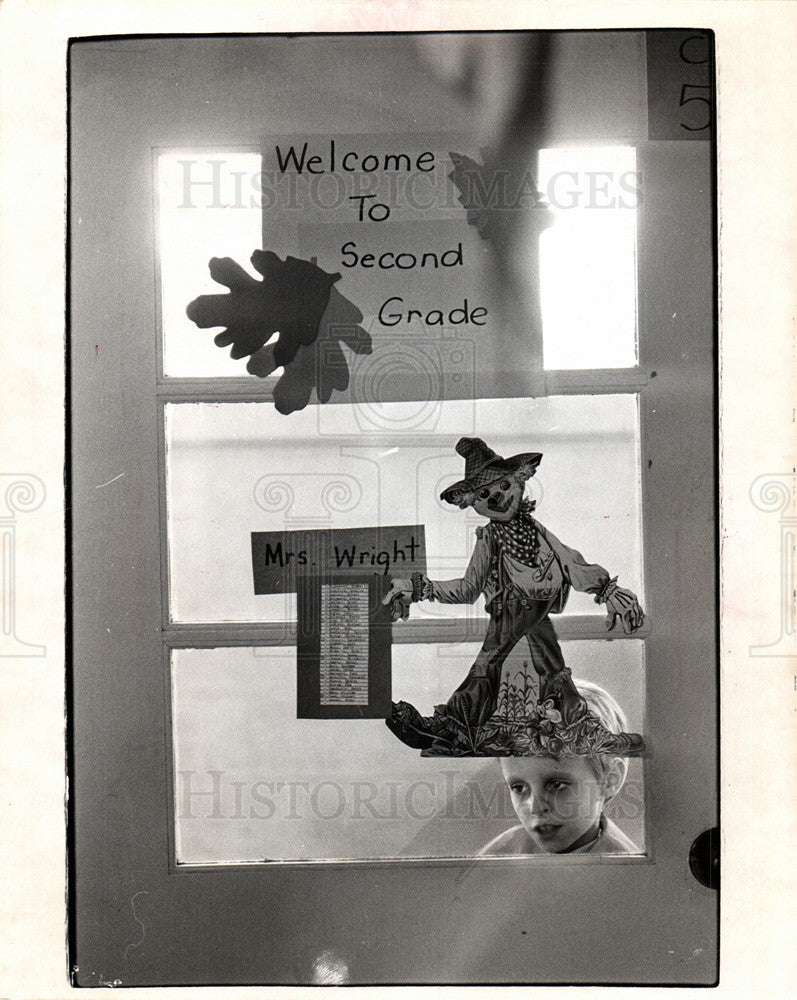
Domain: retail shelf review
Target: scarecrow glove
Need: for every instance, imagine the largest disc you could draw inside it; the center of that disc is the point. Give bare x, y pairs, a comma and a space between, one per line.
399, 608
404, 592
398, 598
622, 604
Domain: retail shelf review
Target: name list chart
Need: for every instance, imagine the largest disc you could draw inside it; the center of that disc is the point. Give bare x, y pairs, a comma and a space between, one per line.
344, 644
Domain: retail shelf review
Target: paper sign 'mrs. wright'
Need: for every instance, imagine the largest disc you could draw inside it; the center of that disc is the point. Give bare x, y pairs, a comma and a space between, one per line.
278, 557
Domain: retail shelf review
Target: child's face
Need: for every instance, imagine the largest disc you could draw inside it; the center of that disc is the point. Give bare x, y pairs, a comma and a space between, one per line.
500, 499
557, 801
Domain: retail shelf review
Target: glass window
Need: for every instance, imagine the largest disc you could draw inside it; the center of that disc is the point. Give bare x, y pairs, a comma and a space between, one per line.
208, 206
236, 468
254, 783
212, 204
588, 281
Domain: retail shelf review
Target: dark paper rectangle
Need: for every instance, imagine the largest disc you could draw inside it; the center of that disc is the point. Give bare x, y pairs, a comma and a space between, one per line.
279, 556
333, 612
680, 71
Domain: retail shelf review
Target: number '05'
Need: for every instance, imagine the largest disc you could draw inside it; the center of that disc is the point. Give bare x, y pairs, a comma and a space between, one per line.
689, 52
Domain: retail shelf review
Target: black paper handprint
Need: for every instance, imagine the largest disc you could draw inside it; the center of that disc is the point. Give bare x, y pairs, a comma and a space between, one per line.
297, 300
322, 365
495, 195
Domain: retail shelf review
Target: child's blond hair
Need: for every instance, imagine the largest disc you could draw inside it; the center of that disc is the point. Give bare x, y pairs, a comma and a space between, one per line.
606, 709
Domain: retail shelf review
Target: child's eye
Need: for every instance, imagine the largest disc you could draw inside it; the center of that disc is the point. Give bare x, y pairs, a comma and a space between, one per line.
484, 493
558, 785
505, 484
517, 788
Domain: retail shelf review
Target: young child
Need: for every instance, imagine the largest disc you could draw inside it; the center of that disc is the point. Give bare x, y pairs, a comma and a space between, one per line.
525, 574
560, 802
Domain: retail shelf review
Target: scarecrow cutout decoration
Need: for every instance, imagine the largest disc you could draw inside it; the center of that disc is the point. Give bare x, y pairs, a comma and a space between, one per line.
525, 574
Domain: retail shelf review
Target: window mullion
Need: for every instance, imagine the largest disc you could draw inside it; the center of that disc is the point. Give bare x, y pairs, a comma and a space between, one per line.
428, 630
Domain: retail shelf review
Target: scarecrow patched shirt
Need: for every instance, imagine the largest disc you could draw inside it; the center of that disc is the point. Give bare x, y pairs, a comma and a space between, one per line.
520, 558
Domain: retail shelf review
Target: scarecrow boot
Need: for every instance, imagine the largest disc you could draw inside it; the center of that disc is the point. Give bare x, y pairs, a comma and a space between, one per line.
416, 730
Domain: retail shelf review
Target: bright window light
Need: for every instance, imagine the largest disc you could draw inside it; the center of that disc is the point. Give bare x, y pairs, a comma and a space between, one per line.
209, 205
588, 257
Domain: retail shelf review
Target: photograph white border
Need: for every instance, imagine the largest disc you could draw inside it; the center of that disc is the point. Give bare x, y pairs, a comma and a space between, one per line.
756, 138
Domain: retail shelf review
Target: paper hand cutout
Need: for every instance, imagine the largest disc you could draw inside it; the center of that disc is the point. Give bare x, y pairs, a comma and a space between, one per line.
494, 195
297, 300
466, 176
399, 597
623, 604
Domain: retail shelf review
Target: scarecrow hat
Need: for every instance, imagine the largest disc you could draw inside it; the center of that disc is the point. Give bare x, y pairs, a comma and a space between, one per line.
483, 465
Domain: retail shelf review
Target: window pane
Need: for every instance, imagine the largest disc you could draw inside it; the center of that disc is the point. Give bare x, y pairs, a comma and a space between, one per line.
419, 302
208, 206
588, 257
237, 468
253, 782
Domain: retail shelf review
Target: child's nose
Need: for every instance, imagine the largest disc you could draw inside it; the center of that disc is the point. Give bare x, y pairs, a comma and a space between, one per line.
539, 804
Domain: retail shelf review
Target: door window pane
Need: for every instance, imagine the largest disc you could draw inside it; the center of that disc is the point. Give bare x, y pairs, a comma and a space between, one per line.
254, 783
588, 287
208, 206
237, 468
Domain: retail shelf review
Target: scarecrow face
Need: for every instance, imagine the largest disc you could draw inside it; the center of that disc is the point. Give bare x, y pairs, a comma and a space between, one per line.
500, 499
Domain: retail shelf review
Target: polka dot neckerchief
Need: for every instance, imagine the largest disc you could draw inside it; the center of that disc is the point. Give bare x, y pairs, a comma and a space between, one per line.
519, 537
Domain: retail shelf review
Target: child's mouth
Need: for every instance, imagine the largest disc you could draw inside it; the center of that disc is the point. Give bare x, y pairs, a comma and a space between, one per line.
546, 830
